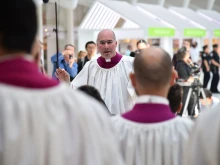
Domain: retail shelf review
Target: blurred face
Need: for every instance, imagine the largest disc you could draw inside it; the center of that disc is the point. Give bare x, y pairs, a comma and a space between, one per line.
70, 48
91, 49
106, 44
141, 46
67, 54
82, 55
186, 58
207, 50
186, 44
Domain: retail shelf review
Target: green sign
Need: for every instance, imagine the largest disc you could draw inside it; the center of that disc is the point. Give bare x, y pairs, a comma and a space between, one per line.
217, 33
195, 32
161, 32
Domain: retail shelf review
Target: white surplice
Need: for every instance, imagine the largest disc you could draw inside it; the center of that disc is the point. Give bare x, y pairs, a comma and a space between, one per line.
204, 144
160, 143
54, 126
113, 84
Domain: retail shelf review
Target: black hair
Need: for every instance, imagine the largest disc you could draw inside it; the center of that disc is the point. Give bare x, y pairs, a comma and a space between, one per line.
175, 97
93, 92
141, 41
68, 45
207, 92
89, 42
215, 46
205, 47
18, 26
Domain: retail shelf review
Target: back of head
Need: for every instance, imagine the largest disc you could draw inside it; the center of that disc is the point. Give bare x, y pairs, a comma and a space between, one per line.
93, 92
181, 53
153, 68
18, 26
175, 97
208, 94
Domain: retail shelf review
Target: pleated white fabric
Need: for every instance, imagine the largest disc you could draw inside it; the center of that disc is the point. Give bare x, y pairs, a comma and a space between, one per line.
152, 144
204, 143
113, 84
54, 126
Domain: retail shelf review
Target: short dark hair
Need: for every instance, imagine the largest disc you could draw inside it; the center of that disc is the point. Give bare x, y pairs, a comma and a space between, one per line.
207, 92
141, 41
153, 73
93, 92
68, 45
181, 53
18, 26
215, 46
89, 42
175, 97
205, 47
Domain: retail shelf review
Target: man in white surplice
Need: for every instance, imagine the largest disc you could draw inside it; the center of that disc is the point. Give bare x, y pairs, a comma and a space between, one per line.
42, 121
204, 144
150, 134
109, 74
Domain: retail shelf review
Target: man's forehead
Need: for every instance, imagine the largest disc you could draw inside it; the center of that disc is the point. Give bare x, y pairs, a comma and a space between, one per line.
105, 35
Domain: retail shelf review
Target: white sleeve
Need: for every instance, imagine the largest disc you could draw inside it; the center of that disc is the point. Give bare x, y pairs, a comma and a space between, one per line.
82, 77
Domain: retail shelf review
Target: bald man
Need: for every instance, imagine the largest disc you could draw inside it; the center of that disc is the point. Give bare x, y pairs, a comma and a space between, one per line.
150, 133
109, 74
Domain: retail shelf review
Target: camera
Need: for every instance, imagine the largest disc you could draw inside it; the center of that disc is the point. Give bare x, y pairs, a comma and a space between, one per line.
195, 70
70, 56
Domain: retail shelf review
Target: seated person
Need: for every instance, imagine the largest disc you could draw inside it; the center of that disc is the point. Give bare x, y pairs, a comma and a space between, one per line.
210, 101
185, 73
175, 98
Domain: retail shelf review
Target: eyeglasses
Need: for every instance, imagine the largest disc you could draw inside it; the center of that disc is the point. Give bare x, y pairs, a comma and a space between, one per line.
104, 42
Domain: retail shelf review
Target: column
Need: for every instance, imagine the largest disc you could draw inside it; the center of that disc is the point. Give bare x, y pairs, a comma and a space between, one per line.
40, 26
167, 44
70, 26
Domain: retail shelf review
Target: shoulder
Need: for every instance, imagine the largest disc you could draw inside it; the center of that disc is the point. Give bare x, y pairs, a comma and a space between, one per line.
128, 59
204, 55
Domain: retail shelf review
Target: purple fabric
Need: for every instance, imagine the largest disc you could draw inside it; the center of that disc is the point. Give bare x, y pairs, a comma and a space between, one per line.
114, 61
23, 73
149, 113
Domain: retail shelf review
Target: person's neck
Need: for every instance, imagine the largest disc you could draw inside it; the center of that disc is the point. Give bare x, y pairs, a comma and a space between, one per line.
154, 92
89, 56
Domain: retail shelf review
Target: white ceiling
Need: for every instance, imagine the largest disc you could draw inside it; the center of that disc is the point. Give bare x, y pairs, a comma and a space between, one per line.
194, 4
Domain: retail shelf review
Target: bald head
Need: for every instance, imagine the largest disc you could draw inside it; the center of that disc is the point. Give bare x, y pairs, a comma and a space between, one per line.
106, 43
106, 32
153, 68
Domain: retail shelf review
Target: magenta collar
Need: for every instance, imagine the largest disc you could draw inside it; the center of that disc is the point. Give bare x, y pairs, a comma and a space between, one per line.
20, 72
149, 113
114, 61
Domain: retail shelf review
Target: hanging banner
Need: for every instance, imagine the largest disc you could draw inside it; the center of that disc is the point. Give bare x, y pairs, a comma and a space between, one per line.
194, 32
217, 33
161, 32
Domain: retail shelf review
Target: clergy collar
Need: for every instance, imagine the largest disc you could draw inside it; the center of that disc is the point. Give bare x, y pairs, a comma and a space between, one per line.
150, 109
152, 99
109, 63
21, 71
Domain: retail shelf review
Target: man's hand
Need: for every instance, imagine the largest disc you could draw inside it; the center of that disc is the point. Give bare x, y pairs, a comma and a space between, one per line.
62, 75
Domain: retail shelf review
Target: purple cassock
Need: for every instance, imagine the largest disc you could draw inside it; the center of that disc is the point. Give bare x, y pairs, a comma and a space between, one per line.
21, 72
109, 63
150, 109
